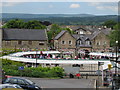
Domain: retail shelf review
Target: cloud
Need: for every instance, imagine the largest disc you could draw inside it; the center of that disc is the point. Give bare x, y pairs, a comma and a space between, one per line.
74, 6
94, 3
112, 8
105, 6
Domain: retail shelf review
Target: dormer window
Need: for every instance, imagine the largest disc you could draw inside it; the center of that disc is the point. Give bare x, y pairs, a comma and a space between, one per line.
81, 32
79, 42
87, 42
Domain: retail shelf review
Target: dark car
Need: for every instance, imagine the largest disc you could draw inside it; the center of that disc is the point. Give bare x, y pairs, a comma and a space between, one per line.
24, 83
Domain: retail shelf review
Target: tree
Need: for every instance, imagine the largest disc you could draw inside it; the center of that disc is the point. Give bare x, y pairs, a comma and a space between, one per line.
69, 30
55, 29
16, 23
115, 35
110, 23
46, 23
34, 24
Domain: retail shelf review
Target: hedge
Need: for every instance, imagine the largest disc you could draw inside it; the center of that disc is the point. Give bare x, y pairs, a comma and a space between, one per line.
11, 68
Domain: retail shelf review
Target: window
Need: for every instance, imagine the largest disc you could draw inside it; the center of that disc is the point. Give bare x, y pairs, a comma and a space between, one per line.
104, 43
87, 42
8, 43
21, 82
70, 42
63, 42
81, 32
30, 42
9, 87
98, 43
20, 42
79, 42
13, 81
41, 43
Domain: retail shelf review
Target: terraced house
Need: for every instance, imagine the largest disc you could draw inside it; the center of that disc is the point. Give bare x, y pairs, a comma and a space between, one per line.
92, 40
24, 38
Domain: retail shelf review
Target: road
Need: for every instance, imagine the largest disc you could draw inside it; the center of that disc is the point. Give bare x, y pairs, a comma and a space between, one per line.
63, 83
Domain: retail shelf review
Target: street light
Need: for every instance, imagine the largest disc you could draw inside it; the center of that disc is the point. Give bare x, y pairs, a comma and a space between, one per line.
115, 60
36, 57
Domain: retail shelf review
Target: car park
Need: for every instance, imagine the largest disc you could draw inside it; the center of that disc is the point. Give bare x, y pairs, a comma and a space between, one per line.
24, 83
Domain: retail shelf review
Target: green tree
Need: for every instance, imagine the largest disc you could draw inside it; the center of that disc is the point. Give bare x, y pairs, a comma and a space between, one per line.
34, 24
55, 29
69, 30
110, 23
16, 23
115, 35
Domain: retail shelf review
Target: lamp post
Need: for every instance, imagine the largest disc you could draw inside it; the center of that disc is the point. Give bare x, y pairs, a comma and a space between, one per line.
114, 60
36, 57
116, 66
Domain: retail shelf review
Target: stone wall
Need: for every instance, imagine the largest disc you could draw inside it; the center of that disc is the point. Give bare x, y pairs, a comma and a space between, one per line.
25, 44
101, 43
66, 38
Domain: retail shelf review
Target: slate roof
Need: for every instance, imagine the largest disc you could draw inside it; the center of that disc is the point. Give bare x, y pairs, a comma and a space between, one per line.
83, 28
60, 34
24, 34
104, 31
83, 38
95, 34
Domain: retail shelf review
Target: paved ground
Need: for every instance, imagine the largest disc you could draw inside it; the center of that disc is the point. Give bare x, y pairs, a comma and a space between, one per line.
64, 83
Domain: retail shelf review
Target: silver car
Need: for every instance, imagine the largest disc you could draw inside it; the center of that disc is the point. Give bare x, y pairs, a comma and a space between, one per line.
9, 86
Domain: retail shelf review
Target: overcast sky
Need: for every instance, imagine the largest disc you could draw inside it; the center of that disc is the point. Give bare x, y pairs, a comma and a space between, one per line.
96, 8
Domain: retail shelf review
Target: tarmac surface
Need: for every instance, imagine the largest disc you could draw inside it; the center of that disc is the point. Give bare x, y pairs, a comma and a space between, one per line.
63, 83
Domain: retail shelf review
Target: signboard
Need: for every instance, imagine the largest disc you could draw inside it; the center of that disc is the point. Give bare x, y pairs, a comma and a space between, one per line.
100, 63
98, 72
73, 70
21, 68
109, 66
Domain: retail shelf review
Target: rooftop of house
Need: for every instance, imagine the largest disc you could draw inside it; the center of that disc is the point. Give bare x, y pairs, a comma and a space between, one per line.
60, 34
24, 34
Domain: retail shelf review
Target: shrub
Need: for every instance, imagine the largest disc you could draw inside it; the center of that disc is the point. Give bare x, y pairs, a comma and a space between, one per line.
11, 68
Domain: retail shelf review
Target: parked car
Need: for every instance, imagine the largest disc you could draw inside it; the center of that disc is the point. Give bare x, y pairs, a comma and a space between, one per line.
10, 86
24, 83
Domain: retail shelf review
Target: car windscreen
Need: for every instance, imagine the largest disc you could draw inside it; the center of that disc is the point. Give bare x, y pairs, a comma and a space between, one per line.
30, 82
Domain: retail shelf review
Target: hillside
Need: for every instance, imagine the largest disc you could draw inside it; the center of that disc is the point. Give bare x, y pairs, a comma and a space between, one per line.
62, 19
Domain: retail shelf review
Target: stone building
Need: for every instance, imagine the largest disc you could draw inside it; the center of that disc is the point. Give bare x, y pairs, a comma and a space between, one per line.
100, 41
65, 42
24, 39
96, 41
